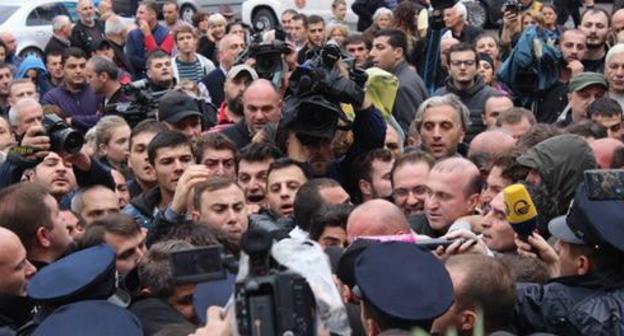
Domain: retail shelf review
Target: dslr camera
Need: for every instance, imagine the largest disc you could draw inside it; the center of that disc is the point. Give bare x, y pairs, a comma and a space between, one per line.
512, 6
272, 300
63, 138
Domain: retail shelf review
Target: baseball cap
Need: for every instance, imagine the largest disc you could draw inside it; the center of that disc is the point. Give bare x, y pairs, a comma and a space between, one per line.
588, 222
236, 70
585, 79
175, 106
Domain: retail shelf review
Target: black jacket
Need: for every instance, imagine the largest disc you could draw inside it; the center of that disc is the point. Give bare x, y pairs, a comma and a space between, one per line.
121, 59
156, 314
239, 134
81, 38
569, 310
56, 44
141, 208
215, 82
15, 312
365, 10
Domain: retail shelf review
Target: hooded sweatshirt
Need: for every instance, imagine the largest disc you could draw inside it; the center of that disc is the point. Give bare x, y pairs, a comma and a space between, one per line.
34, 62
560, 161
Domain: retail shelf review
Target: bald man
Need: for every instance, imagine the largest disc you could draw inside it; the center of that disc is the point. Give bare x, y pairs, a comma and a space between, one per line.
15, 270
604, 149
262, 105
11, 53
617, 25
376, 217
492, 142
454, 185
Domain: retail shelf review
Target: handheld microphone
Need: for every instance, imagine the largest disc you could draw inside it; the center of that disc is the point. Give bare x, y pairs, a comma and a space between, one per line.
521, 212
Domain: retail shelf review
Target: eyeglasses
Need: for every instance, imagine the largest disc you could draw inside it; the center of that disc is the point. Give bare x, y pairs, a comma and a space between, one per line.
458, 63
417, 190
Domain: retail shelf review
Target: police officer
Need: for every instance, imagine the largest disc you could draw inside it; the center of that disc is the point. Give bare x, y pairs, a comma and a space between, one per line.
401, 287
586, 294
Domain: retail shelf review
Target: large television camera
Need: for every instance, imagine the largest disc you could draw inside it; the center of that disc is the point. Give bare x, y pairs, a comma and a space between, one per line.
272, 300
143, 103
268, 56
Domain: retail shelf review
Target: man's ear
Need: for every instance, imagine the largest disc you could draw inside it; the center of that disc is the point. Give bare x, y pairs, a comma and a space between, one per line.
473, 201
468, 320
583, 265
195, 215
42, 237
365, 187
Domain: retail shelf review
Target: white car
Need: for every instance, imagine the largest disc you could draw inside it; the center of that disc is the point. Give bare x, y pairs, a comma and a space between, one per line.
31, 21
269, 11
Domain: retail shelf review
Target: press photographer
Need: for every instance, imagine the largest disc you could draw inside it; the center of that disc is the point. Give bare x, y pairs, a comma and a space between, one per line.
312, 113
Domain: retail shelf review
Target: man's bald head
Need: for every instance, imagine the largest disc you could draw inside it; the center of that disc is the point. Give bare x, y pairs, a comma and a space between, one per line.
10, 41
492, 142
376, 218
617, 22
604, 149
262, 104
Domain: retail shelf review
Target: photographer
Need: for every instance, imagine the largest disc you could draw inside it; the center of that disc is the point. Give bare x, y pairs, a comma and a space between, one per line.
49, 158
315, 26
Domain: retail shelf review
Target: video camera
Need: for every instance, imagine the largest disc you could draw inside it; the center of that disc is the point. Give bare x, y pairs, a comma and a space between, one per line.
268, 56
63, 138
143, 103
272, 300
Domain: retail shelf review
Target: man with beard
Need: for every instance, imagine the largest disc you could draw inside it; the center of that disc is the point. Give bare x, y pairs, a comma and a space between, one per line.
374, 175
573, 46
75, 97
229, 48
595, 24
11, 49
262, 104
103, 77
88, 32
6, 76
465, 82
236, 82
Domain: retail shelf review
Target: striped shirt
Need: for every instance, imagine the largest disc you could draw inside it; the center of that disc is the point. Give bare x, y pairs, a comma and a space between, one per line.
193, 70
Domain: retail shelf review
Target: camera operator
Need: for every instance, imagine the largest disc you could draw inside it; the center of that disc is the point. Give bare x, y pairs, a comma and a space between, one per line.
159, 71
58, 172
315, 38
103, 77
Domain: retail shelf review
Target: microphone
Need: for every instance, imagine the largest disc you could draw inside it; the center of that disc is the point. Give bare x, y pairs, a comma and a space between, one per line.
521, 211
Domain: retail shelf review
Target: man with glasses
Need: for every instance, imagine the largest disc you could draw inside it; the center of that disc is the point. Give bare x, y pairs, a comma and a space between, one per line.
465, 82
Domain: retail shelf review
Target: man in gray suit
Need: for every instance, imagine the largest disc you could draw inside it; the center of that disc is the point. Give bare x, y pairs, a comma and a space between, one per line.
388, 53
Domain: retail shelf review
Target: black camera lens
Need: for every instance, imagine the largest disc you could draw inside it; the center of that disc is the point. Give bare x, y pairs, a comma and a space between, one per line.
62, 137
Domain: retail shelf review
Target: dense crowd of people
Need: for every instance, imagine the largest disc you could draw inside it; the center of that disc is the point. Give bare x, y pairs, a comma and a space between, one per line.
382, 161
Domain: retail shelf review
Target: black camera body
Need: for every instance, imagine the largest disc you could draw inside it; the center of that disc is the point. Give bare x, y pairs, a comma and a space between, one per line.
512, 6
270, 300
269, 62
143, 103
63, 138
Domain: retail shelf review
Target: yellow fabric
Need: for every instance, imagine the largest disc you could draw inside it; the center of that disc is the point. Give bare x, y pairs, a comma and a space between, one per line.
381, 90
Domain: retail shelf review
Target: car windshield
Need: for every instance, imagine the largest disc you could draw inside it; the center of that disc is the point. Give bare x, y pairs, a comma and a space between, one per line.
6, 12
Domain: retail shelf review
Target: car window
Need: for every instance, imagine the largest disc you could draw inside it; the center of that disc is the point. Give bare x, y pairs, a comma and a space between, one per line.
70, 7
43, 15
6, 12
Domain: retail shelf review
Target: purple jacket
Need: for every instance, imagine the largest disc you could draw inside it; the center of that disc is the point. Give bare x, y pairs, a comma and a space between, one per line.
81, 106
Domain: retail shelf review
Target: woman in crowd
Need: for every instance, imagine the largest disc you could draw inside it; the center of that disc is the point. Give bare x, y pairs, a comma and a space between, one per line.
338, 33
112, 141
382, 19
207, 44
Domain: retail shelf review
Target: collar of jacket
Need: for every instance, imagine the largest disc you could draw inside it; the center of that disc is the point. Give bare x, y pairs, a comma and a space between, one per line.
476, 87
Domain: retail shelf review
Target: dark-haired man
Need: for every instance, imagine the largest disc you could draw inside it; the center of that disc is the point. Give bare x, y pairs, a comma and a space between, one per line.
252, 171
170, 154
595, 24
315, 38
607, 113
358, 48
103, 77
147, 37
465, 82
375, 175
388, 52
75, 98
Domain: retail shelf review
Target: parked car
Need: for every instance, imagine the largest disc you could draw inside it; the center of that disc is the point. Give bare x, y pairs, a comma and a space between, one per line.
269, 11
31, 21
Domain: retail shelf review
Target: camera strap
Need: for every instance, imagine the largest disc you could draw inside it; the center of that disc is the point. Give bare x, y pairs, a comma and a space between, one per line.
24, 150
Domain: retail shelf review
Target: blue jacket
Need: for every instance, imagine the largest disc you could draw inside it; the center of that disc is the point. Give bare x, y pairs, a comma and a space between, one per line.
523, 62
34, 62
135, 47
81, 106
